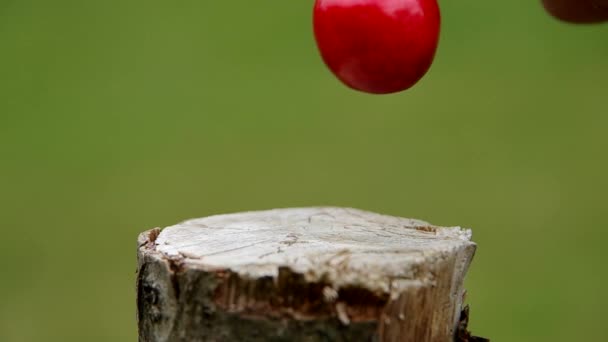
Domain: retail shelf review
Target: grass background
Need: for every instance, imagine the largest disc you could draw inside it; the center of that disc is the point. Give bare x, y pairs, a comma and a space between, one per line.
118, 116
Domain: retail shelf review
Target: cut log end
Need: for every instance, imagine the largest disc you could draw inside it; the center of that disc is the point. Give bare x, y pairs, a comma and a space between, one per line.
307, 274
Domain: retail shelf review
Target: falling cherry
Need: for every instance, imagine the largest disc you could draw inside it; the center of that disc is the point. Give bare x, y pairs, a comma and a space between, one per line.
377, 46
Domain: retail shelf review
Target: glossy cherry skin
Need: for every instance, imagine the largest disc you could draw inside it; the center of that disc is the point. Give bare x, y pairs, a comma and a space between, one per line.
377, 46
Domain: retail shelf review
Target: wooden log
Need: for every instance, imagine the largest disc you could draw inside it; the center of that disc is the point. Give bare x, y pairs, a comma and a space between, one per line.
306, 274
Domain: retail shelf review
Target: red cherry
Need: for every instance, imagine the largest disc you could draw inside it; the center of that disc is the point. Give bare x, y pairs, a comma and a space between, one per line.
377, 46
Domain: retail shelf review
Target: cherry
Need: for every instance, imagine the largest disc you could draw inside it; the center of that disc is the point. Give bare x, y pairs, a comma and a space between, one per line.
377, 46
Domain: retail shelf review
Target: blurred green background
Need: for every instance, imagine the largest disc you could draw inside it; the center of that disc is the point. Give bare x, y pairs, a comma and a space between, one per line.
119, 116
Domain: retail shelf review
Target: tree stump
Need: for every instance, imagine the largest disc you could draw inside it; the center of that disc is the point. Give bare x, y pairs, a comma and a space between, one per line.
306, 274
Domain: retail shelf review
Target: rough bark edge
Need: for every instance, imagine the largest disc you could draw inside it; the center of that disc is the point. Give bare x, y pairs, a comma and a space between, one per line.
316, 300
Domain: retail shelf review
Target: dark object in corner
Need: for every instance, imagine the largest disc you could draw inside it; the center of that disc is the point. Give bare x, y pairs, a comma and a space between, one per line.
462, 334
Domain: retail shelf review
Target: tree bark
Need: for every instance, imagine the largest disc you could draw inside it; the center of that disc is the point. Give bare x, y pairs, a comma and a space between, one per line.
307, 274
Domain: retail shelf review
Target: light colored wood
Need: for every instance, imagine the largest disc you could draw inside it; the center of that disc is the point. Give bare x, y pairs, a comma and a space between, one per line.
309, 274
